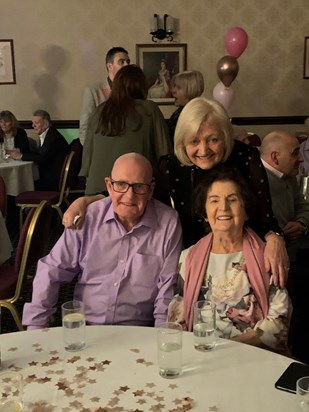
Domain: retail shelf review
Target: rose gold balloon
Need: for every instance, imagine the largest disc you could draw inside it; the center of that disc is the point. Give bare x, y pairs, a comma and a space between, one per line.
227, 69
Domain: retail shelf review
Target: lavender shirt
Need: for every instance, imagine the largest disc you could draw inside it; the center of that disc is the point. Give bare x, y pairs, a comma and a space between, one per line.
124, 277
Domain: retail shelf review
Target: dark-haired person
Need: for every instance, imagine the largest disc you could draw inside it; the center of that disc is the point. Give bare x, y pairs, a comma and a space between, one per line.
126, 122
116, 58
50, 153
227, 267
9, 129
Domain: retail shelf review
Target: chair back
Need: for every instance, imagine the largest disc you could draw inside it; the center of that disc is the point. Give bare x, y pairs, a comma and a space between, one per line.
32, 242
66, 176
2, 197
77, 148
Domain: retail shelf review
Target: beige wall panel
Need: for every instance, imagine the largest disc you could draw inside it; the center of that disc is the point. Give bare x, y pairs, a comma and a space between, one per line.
60, 47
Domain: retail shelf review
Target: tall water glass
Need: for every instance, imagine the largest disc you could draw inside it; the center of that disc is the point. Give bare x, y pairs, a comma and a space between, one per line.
302, 393
74, 325
11, 393
204, 325
169, 341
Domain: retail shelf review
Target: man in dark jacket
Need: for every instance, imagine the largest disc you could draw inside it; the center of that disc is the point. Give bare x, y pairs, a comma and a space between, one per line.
50, 154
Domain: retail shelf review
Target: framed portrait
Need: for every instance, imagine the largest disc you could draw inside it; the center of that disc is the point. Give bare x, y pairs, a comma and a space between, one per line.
306, 58
7, 66
160, 63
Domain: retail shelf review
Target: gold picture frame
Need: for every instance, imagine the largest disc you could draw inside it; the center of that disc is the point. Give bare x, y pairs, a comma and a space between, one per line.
7, 65
160, 63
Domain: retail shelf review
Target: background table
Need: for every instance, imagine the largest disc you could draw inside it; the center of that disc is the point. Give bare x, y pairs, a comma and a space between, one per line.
5, 242
19, 176
118, 371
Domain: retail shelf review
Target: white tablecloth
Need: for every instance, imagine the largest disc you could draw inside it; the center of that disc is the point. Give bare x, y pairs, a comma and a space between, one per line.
5, 242
19, 176
118, 371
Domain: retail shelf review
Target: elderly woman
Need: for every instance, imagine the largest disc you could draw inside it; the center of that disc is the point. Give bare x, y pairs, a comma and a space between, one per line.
227, 267
185, 87
12, 135
204, 141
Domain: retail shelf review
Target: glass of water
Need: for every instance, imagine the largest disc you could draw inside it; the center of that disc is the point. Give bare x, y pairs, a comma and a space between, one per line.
73, 325
169, 340
204, 325
302, 392
11, 393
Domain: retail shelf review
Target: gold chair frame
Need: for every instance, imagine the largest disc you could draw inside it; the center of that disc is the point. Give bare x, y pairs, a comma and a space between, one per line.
63, 194
9, 303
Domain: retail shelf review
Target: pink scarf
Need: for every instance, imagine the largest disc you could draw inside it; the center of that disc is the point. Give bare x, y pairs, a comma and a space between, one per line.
196, 264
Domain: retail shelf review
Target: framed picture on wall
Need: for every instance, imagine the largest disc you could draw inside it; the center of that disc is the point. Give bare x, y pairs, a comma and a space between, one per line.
160, 63
7, 66
306, 58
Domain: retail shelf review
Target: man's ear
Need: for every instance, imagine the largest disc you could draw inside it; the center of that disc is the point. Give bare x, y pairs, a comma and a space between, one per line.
108, 185
275, 157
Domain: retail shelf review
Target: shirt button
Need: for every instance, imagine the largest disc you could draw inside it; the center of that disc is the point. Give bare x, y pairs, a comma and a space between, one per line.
121, 260
115, 284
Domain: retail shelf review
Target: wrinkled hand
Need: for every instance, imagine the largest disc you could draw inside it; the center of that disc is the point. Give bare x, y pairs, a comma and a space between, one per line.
77, 208
74, 217
276, 259
293, 231
15, 154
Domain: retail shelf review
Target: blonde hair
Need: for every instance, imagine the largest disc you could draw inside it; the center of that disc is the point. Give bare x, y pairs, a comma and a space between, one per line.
196, 112
191, 82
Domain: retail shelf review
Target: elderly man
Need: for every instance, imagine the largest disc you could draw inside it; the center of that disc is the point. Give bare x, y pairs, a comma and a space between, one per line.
281, 158
50, 154
116, 58
125, 255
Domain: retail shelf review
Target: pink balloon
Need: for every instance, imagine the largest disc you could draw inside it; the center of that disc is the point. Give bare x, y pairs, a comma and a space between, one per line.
224, 95
236, 41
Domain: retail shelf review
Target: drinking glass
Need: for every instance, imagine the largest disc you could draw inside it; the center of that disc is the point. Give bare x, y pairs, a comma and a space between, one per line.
204, 325
169, 341
302, 393
11, 393
74, 325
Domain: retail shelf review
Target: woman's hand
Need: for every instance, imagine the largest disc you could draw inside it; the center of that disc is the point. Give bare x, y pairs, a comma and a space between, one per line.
74, 217
276, 259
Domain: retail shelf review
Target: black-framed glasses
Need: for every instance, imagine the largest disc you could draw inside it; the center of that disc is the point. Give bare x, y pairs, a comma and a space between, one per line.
123, 187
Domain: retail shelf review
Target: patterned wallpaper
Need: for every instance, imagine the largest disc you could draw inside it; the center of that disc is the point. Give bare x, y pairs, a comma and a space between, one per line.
60, 47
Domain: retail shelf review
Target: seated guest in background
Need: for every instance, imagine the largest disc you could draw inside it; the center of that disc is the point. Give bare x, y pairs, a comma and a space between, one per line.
126, 122
116, 58
304, 151
13, 136
125, 256
49, 155
281, 158
185, 87
227, 268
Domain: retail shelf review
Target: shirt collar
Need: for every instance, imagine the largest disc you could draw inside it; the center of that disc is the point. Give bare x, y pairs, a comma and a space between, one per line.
43, 135
273, 170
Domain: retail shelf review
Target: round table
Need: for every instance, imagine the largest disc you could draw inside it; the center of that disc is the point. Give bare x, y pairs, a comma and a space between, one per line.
118, 371
19, 176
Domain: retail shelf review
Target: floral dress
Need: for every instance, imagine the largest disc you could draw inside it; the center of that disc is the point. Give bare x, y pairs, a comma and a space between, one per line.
227, 285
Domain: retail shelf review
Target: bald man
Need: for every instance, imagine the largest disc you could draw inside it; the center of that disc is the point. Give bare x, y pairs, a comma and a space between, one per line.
125, 256
281, 158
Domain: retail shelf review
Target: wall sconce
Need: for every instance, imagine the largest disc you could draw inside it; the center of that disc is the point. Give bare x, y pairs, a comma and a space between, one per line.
162, 33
